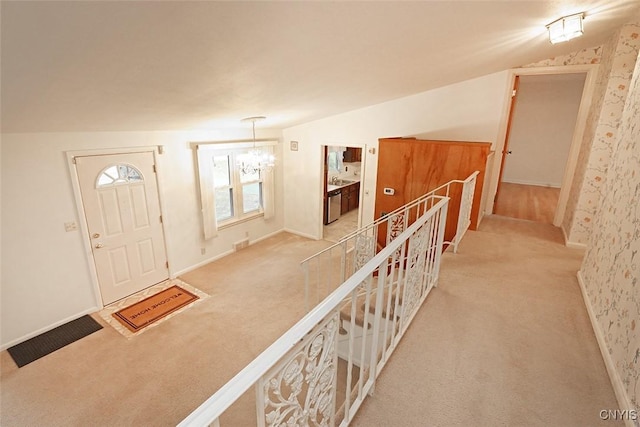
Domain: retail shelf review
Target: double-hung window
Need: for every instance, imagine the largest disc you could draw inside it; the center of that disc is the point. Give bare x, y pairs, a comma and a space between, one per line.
231, 193
238, 192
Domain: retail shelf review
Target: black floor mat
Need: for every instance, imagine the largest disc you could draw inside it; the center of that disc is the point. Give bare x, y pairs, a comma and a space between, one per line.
48, 342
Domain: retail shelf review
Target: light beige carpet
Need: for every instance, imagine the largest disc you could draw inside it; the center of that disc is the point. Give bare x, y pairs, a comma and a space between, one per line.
505, 340
255, 295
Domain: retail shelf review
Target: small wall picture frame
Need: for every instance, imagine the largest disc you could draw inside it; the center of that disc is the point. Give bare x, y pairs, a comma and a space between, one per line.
294, 146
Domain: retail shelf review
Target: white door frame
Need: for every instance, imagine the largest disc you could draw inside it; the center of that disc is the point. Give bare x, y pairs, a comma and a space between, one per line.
591, 71
82, 221
363, 165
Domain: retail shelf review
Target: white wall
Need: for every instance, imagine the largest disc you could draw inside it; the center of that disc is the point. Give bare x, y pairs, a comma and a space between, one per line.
542, 128
46, 278
471, 110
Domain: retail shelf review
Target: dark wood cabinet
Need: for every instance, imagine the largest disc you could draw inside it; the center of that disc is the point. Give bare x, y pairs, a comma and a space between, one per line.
352, 154
350, 198
344, 207
354, 196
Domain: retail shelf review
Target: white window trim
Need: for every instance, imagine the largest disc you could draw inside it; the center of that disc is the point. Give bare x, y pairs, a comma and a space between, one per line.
205, 151
238, 193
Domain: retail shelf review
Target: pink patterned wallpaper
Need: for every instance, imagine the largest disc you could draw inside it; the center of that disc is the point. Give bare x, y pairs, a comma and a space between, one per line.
616, 58
589, 55
603, 210
611, 267
619, 55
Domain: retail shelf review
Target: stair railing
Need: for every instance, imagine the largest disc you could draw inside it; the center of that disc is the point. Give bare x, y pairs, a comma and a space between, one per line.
321, 370
327, 269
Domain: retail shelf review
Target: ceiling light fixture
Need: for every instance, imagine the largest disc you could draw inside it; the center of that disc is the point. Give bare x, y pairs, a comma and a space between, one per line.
255, 160
566, 28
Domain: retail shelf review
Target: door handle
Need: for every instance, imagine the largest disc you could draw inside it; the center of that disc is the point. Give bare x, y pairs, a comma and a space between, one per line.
99, 245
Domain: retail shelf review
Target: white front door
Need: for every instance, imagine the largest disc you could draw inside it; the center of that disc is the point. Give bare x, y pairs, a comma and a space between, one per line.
122, 209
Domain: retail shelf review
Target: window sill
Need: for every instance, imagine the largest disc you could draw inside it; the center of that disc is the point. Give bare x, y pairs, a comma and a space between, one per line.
231, 222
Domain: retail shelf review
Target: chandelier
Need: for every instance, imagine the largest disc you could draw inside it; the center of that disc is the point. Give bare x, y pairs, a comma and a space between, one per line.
255, 160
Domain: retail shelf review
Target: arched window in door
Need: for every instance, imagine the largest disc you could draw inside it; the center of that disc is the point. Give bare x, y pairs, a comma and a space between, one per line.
119, 174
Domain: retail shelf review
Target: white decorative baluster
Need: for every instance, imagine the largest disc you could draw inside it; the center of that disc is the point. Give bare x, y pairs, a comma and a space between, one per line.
395, 226
415, 270
466, 204
301, 389
364, 250
296, 377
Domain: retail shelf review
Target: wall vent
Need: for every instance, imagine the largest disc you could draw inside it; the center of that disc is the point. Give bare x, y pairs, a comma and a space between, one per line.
241, 244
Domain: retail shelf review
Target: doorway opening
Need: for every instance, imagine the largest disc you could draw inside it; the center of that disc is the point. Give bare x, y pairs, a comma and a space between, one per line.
343, 169
543, 133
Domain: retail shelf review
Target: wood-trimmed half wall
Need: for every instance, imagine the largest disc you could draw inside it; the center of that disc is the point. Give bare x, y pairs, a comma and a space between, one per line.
413, 167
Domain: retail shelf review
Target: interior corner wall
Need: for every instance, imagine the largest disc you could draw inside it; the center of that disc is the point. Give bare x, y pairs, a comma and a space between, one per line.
610, 272
46, 278
590, 127
612, 86
542, 129
471, 110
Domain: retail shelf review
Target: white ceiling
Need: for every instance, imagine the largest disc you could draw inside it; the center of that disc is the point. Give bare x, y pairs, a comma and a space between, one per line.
118, 66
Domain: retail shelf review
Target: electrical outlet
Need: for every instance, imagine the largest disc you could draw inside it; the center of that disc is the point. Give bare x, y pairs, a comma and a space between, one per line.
70, 226
203, 251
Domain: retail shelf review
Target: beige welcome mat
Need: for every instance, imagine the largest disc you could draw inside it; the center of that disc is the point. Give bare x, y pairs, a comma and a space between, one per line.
133, 315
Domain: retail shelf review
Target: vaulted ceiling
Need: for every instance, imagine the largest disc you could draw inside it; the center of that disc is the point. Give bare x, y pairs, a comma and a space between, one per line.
127, 66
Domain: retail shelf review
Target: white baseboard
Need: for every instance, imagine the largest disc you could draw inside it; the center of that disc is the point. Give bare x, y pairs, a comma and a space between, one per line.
621, 395
173, 275
222, 255
201, 263
30, 335
266, 236
536, 183
570, 244
297, 233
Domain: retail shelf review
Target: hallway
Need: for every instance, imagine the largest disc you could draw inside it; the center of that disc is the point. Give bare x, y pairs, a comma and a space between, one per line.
530, 202
504, 340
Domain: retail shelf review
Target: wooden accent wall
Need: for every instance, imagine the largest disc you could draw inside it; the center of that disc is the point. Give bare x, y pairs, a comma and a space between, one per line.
413, 167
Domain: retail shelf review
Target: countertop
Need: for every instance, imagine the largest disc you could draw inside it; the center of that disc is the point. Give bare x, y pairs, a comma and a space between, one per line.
332, 187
